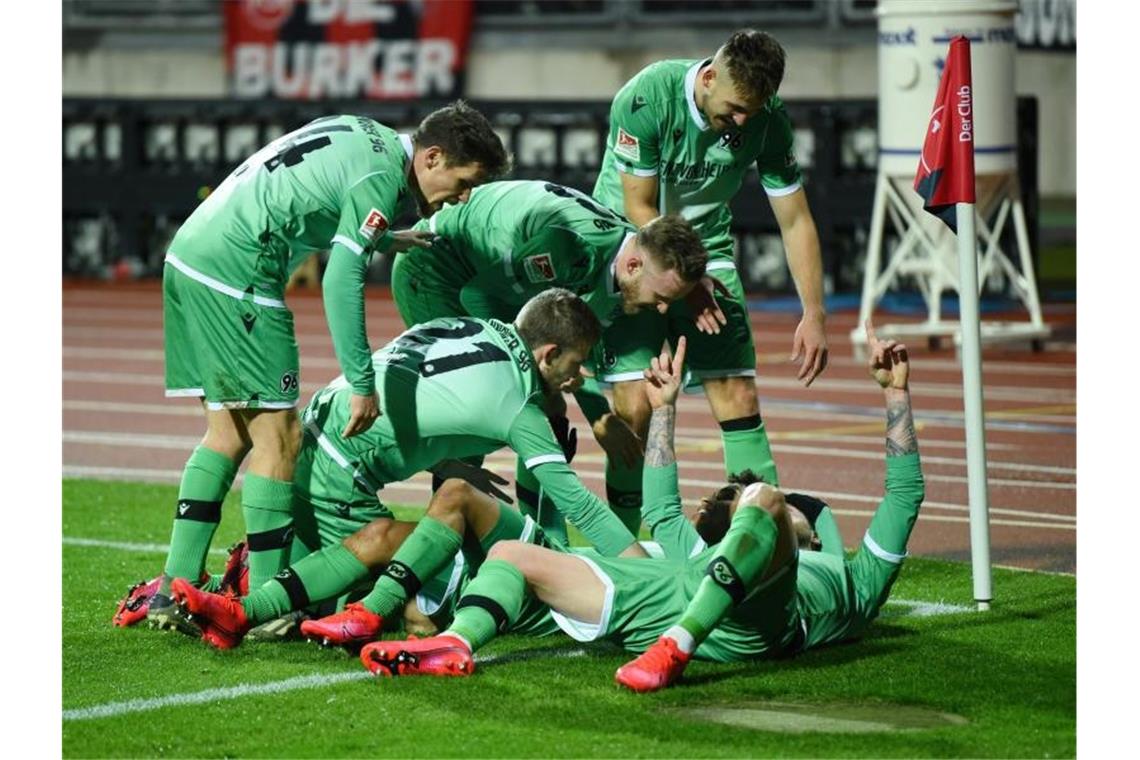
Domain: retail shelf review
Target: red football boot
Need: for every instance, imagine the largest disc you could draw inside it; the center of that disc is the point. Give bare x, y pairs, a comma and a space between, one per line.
235, 578
133, 607
434, 656
657, 667
354, 626
221, 618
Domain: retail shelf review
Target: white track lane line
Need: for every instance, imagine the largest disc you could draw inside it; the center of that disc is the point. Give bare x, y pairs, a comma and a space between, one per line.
126, 546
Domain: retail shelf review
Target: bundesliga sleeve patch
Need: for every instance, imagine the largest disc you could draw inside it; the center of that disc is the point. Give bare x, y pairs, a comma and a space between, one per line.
627, 146
539, 268
374, 224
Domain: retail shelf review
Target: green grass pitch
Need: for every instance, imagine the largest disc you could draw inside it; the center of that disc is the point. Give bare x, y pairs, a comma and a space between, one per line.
1009, 673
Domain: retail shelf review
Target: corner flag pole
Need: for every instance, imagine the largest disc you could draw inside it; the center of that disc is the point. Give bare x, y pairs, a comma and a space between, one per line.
945, 180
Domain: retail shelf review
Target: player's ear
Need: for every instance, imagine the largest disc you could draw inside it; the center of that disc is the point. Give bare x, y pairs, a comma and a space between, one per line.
547, 353
433, 156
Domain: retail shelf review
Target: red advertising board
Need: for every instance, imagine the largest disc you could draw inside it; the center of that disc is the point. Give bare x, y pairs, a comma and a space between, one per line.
373, 49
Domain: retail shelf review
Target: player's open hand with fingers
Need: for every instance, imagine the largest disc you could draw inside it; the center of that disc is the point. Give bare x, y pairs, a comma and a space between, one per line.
701, 300
362, 412
809, 347
405, 239
664, 376
888, 362
618, 440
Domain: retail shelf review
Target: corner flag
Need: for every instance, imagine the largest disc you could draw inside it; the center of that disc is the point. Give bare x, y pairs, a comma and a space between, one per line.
946, 167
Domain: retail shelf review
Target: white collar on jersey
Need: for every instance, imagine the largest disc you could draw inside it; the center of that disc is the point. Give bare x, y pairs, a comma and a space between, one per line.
690, 94
409, 147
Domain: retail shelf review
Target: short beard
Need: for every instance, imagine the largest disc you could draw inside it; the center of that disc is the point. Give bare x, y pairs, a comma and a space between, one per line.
628, 297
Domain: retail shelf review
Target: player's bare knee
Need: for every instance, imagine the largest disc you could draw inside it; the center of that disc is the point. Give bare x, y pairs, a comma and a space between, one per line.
371, 544
508, 551
732, 397
451, 498
632, 405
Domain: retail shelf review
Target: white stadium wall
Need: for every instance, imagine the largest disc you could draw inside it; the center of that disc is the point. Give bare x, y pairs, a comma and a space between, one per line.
529, 72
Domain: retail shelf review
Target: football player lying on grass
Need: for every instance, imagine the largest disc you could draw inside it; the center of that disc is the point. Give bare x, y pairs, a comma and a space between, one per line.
454, 388
737, 584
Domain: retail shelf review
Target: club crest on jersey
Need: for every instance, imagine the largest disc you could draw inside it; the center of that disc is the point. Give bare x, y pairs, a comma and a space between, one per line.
627, 146
374, 224
539, 268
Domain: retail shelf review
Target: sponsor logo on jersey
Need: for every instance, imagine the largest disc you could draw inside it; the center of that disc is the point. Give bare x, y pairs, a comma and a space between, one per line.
374, 224
681, 172
638, 103
627, 146
539, 268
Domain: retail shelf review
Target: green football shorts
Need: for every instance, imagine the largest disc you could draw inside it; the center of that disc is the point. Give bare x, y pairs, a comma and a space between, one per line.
633, 339
645, 597
235, 352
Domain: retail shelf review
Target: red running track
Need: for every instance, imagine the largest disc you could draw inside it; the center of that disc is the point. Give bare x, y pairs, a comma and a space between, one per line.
827, 439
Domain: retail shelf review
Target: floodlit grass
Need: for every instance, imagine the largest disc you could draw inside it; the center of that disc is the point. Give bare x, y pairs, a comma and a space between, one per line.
1011, 673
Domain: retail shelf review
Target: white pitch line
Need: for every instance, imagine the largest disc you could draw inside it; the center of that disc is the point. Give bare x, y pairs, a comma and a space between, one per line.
126, 546
312, 681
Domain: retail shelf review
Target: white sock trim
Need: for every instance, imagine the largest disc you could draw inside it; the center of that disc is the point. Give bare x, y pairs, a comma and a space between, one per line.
685, 641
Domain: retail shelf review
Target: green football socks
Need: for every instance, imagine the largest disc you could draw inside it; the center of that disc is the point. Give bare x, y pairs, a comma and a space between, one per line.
430, 547
206, 480
267, 506
738, 565
319, 576
491, 603
746, 448
623, 492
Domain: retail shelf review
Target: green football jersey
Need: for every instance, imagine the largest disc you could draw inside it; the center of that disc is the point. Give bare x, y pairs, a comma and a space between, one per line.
513, 240
336, 183
657, 130
452, 388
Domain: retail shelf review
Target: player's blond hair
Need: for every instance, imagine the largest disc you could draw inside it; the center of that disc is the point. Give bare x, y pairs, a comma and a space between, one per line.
755, 63
673, 244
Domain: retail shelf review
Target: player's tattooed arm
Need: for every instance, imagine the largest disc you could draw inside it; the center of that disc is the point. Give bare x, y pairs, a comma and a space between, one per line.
901, 438
659, 441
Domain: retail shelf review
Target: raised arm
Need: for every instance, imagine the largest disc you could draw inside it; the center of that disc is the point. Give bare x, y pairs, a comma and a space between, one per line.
661, 505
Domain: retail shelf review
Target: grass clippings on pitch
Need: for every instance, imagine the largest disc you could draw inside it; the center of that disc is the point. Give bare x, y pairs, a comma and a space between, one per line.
1006, 678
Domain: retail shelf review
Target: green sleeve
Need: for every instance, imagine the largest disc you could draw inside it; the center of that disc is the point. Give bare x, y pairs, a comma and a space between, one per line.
591, 400
533, 440
366, 209
828, 531
904, 482
343, 292
635, 124
779, 170
661, 510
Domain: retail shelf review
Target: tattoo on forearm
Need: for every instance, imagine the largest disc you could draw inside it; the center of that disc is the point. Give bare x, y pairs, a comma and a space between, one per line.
901, 438
659, 445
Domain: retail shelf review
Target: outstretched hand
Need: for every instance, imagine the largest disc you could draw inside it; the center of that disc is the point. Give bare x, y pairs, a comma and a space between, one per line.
810, 343
888, 362
701, 301
664, 376
406, 239
362, 412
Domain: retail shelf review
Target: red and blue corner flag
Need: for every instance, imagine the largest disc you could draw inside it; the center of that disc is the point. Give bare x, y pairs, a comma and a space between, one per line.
946, 166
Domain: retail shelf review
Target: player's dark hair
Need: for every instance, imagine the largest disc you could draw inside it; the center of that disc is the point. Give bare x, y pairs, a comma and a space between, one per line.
674, 244
466, 137
558, 316
755, 62
713, 524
